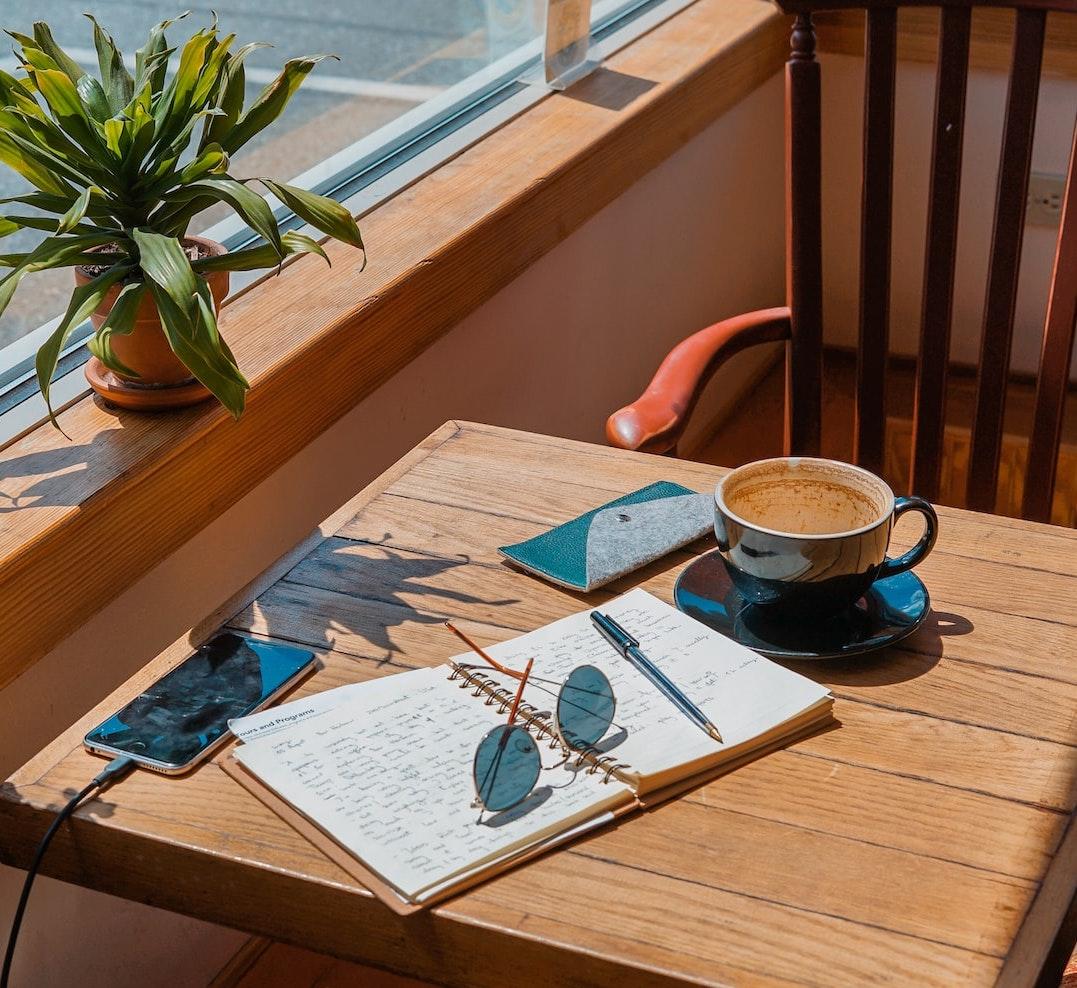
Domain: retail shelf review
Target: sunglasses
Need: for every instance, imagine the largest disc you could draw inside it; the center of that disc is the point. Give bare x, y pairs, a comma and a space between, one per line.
507, 761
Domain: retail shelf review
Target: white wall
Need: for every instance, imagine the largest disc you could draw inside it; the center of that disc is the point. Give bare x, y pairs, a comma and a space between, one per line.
577, 335
843, 85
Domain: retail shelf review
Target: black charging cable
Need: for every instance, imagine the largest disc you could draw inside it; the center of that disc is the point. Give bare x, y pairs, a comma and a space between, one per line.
114, 771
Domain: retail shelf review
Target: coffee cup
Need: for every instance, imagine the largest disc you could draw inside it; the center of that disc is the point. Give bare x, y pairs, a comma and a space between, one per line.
806, 537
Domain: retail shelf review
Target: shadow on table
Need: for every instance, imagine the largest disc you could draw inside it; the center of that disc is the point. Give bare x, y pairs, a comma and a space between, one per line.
100, 808
916, 655
388, 591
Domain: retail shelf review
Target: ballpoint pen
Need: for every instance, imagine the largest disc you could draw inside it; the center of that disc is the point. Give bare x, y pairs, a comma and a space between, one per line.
629, 648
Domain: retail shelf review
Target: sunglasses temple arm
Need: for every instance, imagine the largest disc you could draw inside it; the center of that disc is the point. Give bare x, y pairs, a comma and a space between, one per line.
479, 652
520, 691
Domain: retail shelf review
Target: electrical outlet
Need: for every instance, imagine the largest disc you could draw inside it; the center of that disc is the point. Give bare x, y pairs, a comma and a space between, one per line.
1045, 199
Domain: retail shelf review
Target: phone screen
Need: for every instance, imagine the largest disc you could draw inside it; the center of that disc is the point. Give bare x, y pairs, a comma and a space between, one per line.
188, 709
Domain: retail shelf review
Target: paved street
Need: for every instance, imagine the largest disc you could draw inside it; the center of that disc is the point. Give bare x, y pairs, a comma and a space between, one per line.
393, 55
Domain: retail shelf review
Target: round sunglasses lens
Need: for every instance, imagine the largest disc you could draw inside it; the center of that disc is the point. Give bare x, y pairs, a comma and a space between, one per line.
507, 766
585, 706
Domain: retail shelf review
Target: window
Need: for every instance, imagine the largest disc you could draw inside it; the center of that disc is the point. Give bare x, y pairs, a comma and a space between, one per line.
416, 81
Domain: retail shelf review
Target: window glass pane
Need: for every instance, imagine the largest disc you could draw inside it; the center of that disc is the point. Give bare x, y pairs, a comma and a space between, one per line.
394, 57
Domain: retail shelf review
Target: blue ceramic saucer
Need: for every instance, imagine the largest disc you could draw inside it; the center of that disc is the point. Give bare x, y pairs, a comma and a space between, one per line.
891, 610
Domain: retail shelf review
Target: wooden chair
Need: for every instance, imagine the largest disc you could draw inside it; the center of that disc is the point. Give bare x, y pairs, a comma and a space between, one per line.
657, 419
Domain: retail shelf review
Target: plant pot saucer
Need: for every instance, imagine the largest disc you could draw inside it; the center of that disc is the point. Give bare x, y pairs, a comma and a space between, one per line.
142, 397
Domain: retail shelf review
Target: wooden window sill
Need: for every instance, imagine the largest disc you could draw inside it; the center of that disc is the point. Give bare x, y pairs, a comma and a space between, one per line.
82, 520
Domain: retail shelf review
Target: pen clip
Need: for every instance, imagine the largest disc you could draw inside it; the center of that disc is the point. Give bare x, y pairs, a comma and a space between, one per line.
620, 638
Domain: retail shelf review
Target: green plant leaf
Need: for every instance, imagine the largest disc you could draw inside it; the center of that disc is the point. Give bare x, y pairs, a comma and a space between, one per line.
120, 321
74, 215
143, 132
67, 261
170, 113
33, 171
195, 340
62, 97
44, 133
212, 161
192, 336
49, 225
262, 256
51, 162
114, 136
251, 207
323, 213
271, 102
46, 42
32, 56
164, 263
54, 252
248, 259
300, 243
213, 72
230, 96
164, 159
148, 60
61, 204
84, 300
15, 95
94, 97
115, 79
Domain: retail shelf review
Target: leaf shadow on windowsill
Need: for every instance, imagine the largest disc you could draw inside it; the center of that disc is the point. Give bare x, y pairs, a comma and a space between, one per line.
68, 473
52, 477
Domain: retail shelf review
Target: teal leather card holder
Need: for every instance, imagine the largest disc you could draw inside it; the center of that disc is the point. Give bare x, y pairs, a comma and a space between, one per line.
616, 538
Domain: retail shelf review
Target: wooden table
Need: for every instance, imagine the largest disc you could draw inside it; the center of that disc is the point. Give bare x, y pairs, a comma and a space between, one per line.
927, 840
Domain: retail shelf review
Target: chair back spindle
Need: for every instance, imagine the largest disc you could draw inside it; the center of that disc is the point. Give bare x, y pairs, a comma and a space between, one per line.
804, 242
1054, 361
880, 75
1014, 169
940, 255
804, 253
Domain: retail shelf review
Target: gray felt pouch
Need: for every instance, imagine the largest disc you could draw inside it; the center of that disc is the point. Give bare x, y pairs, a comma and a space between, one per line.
616, 538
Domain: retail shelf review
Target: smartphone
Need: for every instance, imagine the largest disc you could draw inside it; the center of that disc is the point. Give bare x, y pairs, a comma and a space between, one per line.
184, 716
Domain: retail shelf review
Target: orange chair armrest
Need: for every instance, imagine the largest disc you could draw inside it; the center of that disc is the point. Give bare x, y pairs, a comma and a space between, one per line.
655, 421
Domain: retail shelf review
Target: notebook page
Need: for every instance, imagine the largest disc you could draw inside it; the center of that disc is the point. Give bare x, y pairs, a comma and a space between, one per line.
389, 778
286, 715
742, 693
554, 840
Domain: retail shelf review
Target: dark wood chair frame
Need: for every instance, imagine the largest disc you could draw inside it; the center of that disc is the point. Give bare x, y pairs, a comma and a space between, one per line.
657, 419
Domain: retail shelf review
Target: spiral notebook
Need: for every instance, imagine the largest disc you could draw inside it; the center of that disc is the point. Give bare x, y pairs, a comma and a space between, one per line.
379, 774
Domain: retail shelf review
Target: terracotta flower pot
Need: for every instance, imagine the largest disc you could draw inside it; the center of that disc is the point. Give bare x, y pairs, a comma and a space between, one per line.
163, 380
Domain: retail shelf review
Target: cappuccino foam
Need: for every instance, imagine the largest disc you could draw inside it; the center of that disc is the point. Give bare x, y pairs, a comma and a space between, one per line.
807, 498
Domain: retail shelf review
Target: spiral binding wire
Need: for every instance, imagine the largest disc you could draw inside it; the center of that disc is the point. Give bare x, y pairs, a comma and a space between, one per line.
537, 721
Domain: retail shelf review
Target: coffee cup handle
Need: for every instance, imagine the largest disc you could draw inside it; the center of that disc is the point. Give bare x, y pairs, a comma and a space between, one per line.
918, 552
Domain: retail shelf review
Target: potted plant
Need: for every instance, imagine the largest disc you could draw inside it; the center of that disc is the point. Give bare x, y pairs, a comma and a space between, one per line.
121, 164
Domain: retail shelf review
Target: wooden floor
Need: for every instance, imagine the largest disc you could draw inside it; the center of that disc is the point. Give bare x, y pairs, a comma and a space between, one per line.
754, 431
266, 964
